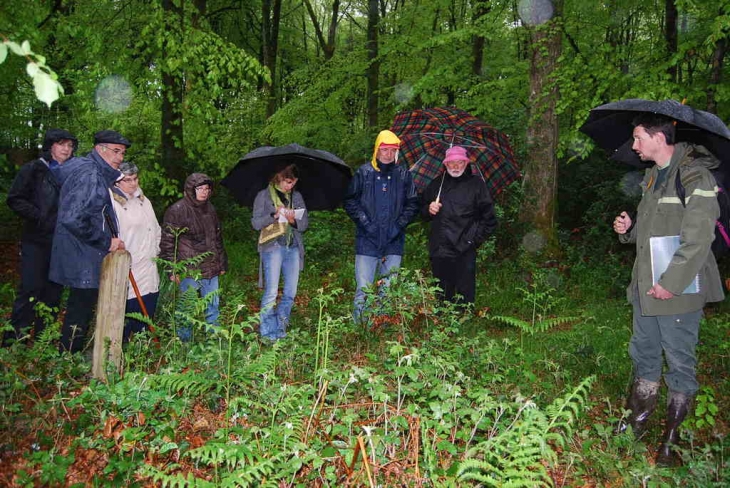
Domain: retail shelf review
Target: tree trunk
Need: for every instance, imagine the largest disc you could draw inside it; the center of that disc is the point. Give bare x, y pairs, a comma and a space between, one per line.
670, 35
718, 61
477, 47
173, 153
541, 164
327, 45
373, 72
270, 20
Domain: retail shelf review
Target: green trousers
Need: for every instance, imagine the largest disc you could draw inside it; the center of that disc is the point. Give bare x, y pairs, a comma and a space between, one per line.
674, 335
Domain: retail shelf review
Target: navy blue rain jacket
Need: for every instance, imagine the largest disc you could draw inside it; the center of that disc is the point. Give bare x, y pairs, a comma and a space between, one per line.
381, 216
82, 237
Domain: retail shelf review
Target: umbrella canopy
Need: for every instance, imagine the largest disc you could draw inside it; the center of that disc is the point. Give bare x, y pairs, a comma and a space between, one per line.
323, 177
610, 125
426, 135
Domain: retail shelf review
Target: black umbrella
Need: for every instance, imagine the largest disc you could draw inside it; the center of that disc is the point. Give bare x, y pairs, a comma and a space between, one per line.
323, 177
610, 125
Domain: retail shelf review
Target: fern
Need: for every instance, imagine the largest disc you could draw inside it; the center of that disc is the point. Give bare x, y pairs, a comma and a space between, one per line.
228, 455
177, 480
563, 411
514, 456
533, 327
190, 383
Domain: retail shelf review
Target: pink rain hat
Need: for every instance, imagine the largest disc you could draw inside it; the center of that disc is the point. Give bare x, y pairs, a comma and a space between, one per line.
456, 153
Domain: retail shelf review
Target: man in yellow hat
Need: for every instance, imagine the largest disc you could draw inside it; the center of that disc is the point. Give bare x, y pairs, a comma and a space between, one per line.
382, 201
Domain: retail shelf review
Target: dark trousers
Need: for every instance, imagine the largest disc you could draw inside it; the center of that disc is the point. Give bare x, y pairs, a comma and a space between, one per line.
674, 335
132, 326
35, 261
79, 312
456, 276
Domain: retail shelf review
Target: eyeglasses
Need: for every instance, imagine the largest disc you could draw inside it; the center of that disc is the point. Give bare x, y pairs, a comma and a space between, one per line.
130, 179
118, 152
202, 188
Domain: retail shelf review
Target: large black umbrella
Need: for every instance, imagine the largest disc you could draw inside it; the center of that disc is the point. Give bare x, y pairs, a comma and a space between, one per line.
610, 125
323, 177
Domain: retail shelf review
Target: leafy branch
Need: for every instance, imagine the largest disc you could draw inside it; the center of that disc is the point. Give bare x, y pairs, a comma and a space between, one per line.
45, 81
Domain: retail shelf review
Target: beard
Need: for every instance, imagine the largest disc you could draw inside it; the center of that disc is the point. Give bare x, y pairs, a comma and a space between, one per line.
455, 173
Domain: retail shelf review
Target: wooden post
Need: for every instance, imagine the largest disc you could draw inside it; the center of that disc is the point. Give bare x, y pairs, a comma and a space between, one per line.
110, 311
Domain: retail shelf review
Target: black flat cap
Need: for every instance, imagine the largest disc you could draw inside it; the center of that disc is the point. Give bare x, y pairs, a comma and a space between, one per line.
110, 137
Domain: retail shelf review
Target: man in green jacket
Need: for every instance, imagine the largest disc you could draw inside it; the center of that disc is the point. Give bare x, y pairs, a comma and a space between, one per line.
666, 314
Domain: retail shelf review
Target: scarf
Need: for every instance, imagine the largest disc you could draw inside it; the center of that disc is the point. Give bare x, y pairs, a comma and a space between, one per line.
274, 194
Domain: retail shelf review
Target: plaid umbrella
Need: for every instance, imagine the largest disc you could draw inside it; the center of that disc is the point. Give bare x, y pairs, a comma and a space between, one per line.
426, 135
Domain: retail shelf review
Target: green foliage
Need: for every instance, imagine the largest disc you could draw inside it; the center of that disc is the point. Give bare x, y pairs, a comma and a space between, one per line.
513, 454
45, 81
706, 409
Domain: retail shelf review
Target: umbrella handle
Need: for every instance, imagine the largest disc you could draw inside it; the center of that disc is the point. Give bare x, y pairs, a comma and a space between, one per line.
438, 197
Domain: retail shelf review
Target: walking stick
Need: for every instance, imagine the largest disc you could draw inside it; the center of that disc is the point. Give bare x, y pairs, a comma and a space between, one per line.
132, 281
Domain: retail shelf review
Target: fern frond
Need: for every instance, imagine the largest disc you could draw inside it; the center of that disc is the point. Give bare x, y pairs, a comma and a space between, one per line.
513, 321
547, 324
190, 383
224, 454
563, 411
177, 480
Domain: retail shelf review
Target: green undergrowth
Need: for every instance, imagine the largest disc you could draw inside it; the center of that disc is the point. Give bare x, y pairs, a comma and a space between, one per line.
523, 389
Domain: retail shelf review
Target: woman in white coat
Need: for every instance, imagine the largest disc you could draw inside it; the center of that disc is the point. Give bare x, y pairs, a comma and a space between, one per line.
140, 231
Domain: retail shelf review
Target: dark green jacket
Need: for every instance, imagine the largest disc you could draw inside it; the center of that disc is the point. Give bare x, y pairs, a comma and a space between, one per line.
661, 213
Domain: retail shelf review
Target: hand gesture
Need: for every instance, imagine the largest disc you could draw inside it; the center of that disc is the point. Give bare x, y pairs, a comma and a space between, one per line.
622, 223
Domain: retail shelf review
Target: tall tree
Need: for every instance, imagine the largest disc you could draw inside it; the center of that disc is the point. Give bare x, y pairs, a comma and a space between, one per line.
541, 164
478, 41
670, 35
373, 71
327, 45
270, 20
171, 134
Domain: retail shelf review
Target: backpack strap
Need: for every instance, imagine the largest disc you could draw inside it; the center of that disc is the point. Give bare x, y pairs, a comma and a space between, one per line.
679, 188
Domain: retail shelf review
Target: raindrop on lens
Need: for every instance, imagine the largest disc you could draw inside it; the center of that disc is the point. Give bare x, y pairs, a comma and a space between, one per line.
630, 184
535, 12
533, 242
403, 93
113, 94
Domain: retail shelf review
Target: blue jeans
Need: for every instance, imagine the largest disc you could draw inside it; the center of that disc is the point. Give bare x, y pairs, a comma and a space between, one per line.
366, 269
277, 262
205, 287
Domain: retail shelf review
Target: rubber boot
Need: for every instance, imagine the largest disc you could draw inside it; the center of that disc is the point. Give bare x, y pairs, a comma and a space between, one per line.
642, 402
677, 408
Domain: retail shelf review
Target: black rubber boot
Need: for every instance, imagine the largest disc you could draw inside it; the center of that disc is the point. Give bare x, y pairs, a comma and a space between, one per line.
641, 402
677, 408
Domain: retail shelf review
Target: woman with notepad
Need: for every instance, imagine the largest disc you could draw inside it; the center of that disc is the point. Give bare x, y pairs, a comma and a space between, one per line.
281, 217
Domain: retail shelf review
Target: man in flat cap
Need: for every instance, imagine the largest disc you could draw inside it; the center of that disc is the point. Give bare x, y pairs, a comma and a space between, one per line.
83, 236
34, 197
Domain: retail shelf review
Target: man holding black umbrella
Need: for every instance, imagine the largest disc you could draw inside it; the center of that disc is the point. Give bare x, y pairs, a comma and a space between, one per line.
668, 302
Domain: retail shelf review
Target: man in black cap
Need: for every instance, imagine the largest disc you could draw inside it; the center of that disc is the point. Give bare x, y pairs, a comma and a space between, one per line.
34, 197
83, 236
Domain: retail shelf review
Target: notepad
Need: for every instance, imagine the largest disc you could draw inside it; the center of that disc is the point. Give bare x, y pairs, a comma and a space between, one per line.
662, 251
298, 213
